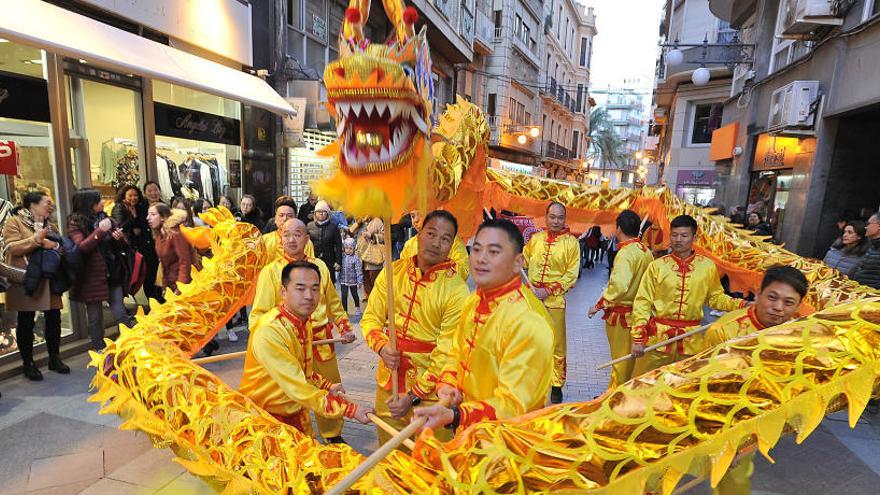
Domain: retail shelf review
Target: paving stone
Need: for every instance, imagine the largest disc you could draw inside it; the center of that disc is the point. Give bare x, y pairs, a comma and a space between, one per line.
152, 469
65, 469
107, 486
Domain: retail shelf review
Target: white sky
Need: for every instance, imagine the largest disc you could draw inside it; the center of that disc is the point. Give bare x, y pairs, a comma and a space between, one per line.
626, 43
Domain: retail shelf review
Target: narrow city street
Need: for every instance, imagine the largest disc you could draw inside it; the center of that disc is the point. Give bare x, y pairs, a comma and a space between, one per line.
55, 442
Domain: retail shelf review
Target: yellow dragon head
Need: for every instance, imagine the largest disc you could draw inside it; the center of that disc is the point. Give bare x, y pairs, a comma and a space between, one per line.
381, 96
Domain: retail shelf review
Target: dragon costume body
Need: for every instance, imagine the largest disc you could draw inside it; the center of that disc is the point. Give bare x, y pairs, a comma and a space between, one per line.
687, 418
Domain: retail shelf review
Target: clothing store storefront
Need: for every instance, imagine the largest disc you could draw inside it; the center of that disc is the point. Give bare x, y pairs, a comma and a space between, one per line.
85, 104
696, 186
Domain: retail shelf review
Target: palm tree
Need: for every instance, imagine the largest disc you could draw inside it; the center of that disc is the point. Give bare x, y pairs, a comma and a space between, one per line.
606, 145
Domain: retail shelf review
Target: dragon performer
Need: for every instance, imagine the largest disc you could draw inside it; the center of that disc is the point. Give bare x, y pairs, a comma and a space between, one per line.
690, 417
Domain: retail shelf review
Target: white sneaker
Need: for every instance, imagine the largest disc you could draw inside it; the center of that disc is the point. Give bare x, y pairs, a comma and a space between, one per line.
357, 311
231, 335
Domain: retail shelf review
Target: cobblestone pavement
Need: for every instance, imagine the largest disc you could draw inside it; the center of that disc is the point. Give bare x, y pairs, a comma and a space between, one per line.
54, 442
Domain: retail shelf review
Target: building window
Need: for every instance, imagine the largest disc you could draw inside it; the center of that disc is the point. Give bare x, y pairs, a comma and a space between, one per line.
872, 8
706, 118
559, 26
490, 105
294, 13
517, 25
575, 141
583, 59
785, 51
498, 18
580, 98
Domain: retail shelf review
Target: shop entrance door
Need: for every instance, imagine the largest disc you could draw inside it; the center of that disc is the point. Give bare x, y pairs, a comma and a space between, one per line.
106, 129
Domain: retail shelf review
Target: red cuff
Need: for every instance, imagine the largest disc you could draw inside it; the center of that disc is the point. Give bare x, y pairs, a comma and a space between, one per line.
334, 401
600, 304
422, 394
639, 334
343, 325
448, 378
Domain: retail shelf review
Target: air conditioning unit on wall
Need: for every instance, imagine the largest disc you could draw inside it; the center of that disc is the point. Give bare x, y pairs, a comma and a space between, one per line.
800, 17
791, 106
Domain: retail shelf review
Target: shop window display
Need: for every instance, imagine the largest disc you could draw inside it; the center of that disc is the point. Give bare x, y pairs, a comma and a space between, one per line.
197, 143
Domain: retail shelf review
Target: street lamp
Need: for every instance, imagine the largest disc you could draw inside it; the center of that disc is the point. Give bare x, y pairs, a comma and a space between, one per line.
522, 139
701, 76
638, 155
534, 132
646, 160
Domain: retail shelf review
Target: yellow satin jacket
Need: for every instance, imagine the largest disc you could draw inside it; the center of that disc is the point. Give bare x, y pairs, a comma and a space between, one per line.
457, 253
553, 262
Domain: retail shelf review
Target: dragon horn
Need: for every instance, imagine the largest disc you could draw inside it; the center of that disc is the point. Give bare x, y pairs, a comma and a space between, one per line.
355, 17
404, 19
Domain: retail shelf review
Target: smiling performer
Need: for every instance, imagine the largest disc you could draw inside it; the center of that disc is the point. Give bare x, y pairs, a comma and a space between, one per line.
428, 295
501, 361
778, 302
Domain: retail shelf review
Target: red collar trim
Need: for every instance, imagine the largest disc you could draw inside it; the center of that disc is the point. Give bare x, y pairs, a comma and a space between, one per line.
489, 296
443, 265
634, 240
292, 318
753, 316
552, 237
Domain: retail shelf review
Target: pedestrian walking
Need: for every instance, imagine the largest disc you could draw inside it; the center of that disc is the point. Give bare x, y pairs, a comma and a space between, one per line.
351, 277
371, 251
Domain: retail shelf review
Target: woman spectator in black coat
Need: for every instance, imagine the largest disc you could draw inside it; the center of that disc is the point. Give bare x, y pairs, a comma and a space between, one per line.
130, 214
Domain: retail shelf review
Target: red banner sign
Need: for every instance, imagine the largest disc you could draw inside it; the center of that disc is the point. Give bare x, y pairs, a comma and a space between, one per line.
8, 158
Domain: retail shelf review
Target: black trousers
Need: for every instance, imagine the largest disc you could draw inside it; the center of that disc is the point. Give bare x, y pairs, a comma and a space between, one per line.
24, 333
354, 295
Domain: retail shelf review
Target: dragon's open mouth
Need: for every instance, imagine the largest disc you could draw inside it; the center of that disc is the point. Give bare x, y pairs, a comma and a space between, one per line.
377, 133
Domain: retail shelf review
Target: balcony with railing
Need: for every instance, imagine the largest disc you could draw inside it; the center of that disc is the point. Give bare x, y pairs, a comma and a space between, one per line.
466, 24
557, 93
484, 33
558, 152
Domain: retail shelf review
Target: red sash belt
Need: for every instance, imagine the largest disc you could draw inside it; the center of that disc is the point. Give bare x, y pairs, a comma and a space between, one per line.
408, 346
676, 328
616, 315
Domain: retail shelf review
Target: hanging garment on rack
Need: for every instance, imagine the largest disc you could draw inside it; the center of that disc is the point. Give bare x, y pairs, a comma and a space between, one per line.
163, 175
223, 179
188, 191
207, 186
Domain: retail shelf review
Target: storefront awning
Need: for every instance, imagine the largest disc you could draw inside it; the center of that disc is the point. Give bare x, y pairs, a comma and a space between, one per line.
40, 24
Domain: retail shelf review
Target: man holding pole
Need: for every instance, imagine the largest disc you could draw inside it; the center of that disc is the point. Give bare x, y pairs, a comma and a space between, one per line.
428, 296
279, 373
294, 238
500, 365
782, 291
631, 261
670, 299
457, 253
552, 258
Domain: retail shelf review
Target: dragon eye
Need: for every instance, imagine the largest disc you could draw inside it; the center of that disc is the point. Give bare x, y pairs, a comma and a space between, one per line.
410, 73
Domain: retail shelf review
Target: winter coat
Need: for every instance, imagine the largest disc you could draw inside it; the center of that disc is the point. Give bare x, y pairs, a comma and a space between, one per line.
868, 272
327, 241
255, 218
175, 253
762, 228
93, 285
135, 227
46, 265
306, 212
845, 260
18, 238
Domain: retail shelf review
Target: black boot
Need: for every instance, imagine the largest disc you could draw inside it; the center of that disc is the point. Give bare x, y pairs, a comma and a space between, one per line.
32, 372
210, 348
336, 439
55, 364
555, 395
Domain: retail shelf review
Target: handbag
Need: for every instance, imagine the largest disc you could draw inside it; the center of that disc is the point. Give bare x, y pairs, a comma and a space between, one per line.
370, 253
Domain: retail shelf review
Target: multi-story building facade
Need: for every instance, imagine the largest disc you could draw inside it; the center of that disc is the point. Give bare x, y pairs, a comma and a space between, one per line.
568, 46
626, 114
686, 114
525, 74
802, 122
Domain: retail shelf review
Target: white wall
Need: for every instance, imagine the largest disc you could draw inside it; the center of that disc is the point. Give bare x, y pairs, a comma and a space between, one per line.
218, 26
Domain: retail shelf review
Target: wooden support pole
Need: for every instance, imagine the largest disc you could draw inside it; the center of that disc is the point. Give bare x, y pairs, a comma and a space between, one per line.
234, 355
390, 430
656, 346
389, 301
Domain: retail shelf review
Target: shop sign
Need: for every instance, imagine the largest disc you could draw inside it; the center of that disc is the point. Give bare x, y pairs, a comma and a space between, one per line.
696, 177
24, 98
234, 173
198, 126
319, 27
775, 152
8, 158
